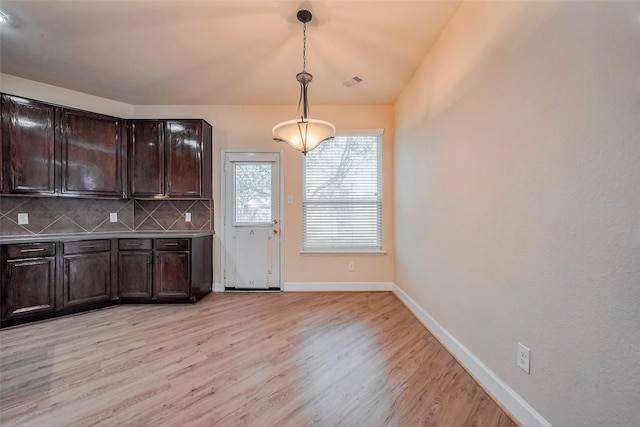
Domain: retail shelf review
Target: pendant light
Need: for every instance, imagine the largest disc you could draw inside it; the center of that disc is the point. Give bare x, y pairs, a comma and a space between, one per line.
304, 134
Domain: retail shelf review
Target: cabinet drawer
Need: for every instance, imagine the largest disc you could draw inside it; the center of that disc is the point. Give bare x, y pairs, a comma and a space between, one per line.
30, 250
85, 246
134, 244
172, 244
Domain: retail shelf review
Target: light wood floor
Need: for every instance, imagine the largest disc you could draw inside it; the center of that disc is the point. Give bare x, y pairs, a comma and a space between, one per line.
239, 359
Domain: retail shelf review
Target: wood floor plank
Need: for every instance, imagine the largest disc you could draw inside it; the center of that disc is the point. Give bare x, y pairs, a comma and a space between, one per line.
239, 359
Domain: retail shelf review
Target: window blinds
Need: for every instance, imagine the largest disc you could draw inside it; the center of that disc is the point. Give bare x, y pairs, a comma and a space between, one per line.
342, 200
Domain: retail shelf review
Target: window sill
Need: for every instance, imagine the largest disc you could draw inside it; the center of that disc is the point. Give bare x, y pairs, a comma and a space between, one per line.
343, 252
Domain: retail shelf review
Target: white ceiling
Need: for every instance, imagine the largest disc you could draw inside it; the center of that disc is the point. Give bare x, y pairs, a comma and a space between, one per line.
239, 52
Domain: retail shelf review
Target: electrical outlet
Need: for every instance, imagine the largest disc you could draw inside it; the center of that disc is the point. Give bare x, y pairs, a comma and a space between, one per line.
113, 217
352, 266
187, 217
523, 358
23, 218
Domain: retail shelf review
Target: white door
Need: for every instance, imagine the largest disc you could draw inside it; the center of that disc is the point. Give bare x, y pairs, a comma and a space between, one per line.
252, 221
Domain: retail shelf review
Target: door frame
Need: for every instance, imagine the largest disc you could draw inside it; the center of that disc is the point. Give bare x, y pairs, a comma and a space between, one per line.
223, 209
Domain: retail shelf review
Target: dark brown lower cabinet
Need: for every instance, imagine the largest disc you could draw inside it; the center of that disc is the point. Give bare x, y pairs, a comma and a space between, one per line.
172, 268
87, 271
47, 279
28, 279
165, 269
135, 268
172, 275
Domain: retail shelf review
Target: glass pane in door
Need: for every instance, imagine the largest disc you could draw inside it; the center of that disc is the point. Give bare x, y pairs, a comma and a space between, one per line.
253, 192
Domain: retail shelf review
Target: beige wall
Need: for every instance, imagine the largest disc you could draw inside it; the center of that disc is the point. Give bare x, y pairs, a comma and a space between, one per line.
249, 128
518, 199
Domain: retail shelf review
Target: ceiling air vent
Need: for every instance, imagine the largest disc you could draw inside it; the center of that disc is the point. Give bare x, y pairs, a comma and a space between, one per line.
352, 81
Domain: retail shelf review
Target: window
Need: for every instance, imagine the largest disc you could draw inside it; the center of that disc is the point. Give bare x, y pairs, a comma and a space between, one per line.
342, 200
252, 187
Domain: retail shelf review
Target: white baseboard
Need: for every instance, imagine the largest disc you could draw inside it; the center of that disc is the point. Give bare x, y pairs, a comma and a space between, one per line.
518, 407
336, 286
217, 287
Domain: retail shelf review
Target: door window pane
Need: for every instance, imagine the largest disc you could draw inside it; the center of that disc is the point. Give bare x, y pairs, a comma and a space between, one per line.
252, 183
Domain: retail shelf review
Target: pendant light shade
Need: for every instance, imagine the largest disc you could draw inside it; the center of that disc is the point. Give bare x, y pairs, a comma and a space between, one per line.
304, 134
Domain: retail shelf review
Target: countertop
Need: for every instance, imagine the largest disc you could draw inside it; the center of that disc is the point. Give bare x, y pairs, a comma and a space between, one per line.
90, 236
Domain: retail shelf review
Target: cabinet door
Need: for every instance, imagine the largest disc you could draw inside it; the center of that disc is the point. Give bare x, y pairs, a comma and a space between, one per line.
91, 154
28, 286
28, 146
146, 158
172, 278
183, 148
135, 274
87, 278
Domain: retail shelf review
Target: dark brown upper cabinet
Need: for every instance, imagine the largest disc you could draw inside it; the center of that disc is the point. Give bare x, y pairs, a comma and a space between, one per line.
48, 150
59, 151
170, 159
92, 154
146, 158
28, 151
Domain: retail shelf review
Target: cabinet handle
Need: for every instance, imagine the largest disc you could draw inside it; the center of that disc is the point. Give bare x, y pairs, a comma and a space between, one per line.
13, 182
87, 246
23, 251
171, 244
133, 244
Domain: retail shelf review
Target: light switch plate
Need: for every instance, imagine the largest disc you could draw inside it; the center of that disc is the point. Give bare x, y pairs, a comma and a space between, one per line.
113, 217
23, 218
187, 217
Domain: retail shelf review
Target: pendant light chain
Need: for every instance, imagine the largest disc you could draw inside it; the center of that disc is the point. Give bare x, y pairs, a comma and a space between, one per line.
304, 47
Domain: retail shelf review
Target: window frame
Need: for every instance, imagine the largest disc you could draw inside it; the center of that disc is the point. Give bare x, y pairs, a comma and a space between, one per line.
343, 249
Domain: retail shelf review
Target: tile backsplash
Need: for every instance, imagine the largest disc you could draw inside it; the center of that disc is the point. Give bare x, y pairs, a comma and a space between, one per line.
68, 215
